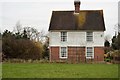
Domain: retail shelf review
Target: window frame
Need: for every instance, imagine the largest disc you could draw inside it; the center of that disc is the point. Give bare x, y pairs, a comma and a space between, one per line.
61, 52
89, 38
92, 54
63, 36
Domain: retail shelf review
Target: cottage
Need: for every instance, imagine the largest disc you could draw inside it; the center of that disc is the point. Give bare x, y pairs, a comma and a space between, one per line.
77, 35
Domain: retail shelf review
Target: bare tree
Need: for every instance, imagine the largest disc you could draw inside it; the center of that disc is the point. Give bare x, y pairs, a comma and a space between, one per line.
41, 36
18, 27
30, 32
34, 34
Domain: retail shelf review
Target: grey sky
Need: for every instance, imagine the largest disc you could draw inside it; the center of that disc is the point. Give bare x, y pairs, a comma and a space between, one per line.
37, 13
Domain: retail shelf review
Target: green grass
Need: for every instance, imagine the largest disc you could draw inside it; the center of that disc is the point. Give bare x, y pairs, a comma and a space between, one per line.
55, 70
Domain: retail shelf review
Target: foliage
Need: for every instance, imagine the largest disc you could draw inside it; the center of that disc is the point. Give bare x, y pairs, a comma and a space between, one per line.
113, 56
46, 50
55, 70
106, 46
0, 47
107, 43
18, 45
118, 38
23, 49
7, 34
116, 42
107, 59
31, 33
114, 53
40, 47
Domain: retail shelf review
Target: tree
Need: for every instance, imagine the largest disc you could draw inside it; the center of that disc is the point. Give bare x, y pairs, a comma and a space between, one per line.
7, 42
33, 34
30, 32
114, 42
23, 43
107, 46
118, 38
25, 34
0, 47
17, 30
18, 27
107, 43
20, 48
7, 33
46, 49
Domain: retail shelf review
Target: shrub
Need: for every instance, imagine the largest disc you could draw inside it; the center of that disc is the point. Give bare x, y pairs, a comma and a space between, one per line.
21, 49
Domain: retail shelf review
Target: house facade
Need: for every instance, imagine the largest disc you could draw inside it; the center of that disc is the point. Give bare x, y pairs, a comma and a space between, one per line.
76, 35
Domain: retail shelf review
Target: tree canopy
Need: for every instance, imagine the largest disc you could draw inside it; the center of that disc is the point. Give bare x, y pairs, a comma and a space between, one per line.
22, 44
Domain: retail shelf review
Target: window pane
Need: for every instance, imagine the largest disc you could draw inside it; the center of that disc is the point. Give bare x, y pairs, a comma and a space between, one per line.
63, 52
63, 36
89, 36
89, 52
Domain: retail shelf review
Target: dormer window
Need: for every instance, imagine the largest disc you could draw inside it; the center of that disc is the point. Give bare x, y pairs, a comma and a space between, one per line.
89, 36
63, 36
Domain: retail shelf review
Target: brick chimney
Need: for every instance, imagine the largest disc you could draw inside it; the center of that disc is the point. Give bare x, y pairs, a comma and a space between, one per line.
77, 6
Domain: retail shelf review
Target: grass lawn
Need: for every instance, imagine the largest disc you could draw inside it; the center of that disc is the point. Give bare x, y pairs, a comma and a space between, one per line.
57, 70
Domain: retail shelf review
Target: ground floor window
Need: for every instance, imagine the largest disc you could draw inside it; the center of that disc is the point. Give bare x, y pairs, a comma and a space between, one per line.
63, 52
89, 52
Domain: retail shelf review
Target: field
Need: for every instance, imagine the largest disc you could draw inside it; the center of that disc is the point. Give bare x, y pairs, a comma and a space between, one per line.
57, 70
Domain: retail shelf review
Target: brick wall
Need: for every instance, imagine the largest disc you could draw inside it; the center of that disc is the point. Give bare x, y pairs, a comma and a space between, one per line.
98, 54
54, 53
76, 54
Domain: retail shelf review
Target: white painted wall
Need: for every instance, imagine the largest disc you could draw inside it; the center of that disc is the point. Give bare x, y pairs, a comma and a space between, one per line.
77, 39
98, 38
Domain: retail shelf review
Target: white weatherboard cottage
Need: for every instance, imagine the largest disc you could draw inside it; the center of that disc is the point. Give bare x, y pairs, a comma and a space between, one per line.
77, 35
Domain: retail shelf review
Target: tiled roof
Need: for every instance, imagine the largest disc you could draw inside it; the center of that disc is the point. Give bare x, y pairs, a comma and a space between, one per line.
85, 20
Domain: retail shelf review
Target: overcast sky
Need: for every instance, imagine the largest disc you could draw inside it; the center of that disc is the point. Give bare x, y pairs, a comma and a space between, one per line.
37, 13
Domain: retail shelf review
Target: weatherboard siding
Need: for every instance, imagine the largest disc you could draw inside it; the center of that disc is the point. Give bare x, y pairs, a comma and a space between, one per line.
77, 39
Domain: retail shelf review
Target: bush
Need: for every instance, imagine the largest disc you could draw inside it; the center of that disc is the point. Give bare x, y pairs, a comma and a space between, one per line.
114, 56
21, 49
107, 59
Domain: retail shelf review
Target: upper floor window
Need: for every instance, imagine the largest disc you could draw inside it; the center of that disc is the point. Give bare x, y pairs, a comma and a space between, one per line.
63, 36
89, 36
